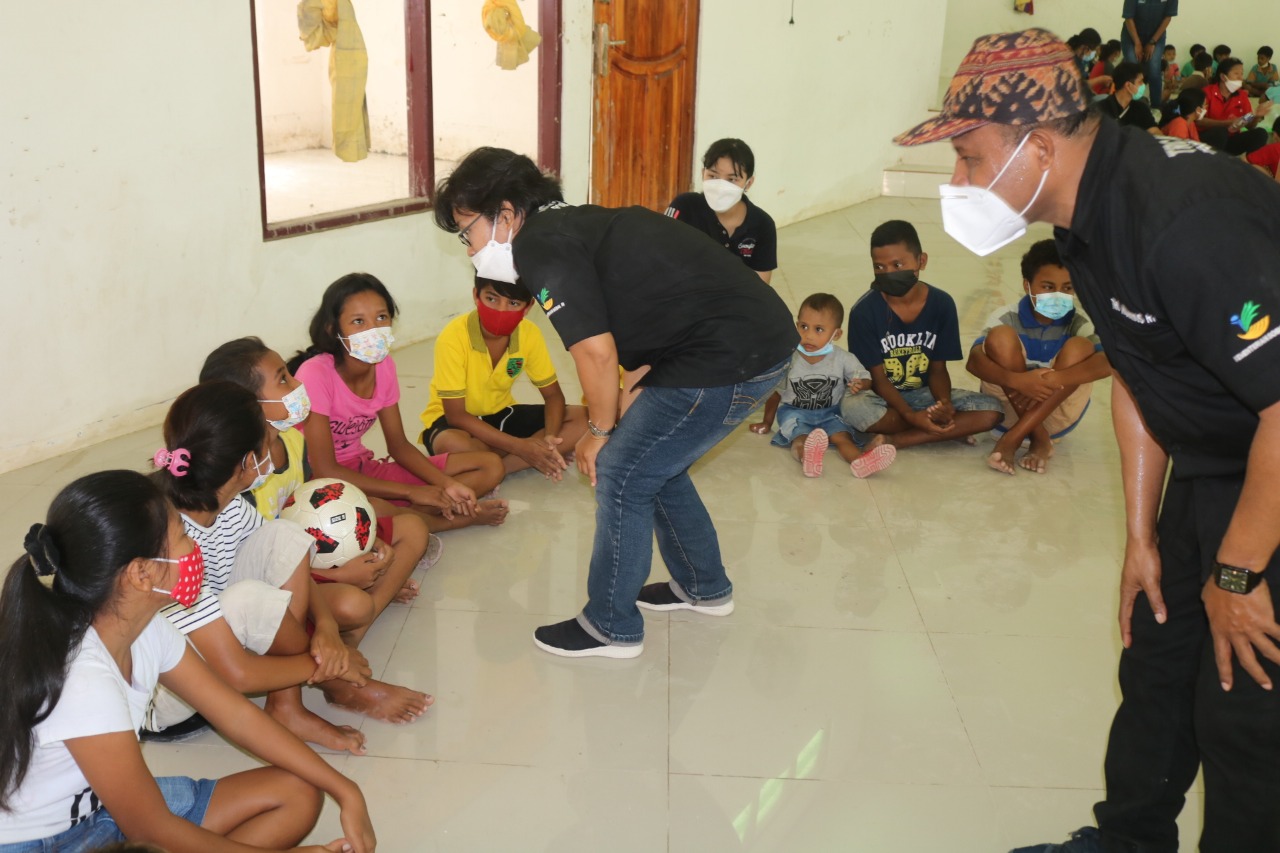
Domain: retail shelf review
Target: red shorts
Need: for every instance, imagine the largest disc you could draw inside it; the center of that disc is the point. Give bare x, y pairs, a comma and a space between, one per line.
387, 469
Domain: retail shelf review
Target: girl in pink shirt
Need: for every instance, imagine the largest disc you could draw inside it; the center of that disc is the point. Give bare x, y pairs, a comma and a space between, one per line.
351, 379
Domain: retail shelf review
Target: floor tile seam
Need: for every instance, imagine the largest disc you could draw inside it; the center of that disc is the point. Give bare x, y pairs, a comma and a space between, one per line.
955, 703
822, 780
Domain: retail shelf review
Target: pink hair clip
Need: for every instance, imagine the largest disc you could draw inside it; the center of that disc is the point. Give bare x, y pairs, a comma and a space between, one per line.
176, 462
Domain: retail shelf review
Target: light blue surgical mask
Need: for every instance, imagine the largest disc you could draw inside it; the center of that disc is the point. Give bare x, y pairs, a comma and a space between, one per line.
1141, 93
815, 353
1055, 306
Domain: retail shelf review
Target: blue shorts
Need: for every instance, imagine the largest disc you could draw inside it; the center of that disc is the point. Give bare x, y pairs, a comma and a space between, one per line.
186, 797
793, 422
862, 411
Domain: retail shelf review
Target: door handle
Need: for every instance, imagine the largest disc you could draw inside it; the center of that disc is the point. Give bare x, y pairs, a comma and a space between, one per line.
602, 49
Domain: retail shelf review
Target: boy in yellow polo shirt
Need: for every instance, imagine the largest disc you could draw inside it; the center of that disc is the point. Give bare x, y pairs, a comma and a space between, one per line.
479, 356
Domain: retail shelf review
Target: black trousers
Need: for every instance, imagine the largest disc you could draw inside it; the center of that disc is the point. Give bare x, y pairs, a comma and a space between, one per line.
1175, 716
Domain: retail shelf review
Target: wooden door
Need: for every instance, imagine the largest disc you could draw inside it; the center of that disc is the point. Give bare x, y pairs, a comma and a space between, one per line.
645, 71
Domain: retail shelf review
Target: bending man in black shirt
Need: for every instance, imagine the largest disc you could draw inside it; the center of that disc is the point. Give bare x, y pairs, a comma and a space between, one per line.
631, 287
1197, 384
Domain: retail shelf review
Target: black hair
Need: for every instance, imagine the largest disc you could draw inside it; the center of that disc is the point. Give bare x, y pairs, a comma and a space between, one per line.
1196, 50
738, 152
1109, 50
1221, 50
218, 423
95, 527
1266, 51
825, 303
236, 361
324, 323
1170, 47
1088, 37
897, 231
486, 178
1041, 254
1066, 127
1224, 66
1202, 61
1186, 104
1126, 72
505, 289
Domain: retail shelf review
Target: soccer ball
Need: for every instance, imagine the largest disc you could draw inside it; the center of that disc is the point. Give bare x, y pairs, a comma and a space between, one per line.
337, 515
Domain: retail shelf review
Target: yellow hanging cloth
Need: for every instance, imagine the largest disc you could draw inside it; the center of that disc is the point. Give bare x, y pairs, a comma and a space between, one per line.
333, 22
505, 24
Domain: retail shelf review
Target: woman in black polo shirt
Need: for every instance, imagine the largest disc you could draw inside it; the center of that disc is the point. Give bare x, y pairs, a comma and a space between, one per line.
631, 287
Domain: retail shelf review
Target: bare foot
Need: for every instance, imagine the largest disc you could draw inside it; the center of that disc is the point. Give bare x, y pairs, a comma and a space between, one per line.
1037, 458
315, 729
492, 512
408, 592
971, 440
377, 699
998, 462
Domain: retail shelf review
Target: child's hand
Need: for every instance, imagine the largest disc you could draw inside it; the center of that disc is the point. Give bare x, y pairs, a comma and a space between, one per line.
544, 455
358, 673
365, 570
434, 496
464, 499
857, 386
922, 420
356, 824
1038, 384
942, 413
332, 656
762, 428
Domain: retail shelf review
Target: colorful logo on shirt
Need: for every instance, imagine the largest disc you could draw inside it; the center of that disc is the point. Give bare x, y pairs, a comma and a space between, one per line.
514, 366
747, 247
1250, 323
545, 300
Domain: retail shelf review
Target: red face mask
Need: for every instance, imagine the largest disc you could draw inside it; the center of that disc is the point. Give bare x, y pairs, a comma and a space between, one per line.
190, 577
500, 323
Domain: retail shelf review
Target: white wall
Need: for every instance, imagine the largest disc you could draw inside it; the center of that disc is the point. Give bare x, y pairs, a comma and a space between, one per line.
476, 102
132, 234
1244, 25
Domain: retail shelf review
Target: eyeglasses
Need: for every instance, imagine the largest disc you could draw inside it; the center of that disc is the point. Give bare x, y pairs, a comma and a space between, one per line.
462, 235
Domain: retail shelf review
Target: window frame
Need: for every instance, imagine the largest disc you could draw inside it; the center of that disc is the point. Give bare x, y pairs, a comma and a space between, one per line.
421, 126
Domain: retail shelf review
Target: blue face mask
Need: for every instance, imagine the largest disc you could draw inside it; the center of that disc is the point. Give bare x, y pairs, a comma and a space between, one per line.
1141, 93
1055, 306
824, 351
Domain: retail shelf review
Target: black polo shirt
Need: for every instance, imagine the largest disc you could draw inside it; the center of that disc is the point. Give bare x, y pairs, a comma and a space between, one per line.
1137, 114
755, 240
671, 298
1174, 252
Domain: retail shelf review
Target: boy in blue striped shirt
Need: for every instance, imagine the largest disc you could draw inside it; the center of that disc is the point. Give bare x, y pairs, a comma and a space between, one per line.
1039, 357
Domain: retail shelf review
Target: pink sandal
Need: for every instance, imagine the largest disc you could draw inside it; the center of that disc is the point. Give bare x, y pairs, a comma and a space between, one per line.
815, 445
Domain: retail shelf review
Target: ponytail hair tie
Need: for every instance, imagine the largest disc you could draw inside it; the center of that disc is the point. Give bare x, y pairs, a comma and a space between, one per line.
41, 550
176, 462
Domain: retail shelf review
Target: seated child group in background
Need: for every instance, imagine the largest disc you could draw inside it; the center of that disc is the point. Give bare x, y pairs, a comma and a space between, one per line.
202, 542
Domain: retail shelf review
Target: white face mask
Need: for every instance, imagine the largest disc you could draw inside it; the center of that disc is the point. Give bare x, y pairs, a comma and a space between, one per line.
720, 194
262, 475
980, 220
495, 260
298, 404
370, 346
1233, 86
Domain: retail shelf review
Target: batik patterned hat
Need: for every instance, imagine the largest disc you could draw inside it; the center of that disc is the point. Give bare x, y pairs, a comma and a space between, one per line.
1007, 78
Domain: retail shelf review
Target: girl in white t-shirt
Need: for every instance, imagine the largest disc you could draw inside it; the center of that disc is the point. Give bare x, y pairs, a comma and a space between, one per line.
81, 647
352, 382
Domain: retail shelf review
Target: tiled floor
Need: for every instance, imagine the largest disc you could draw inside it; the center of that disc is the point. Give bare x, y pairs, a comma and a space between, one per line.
921, 661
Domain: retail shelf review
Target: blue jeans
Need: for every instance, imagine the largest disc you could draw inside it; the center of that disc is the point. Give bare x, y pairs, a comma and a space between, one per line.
187, 798
643, 487
863, 410
1150, 67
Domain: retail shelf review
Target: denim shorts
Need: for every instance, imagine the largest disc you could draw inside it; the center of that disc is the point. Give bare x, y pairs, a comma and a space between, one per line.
186, 797
793, 422
862, 411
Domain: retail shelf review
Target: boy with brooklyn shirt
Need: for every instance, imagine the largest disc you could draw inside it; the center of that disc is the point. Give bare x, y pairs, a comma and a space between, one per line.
905, 331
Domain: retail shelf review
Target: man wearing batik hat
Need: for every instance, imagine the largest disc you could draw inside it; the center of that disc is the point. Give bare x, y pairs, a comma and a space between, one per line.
1171, 248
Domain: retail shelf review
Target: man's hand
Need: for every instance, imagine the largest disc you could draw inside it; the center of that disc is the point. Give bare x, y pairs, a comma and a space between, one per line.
585, 453
1240, 624
1141, 573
